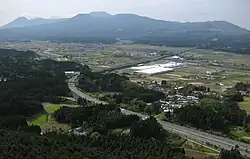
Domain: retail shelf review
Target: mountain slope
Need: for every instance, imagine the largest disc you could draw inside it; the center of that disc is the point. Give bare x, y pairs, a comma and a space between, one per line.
102, 24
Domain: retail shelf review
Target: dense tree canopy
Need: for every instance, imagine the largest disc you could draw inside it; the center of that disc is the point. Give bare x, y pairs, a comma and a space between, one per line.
97, 116
242, 86
147, 129
15, 145
26, 82
111, 82
211, 114
232, 154
13, 122
234, 95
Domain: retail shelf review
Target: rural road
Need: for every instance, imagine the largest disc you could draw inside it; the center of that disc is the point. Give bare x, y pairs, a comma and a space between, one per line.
190, 133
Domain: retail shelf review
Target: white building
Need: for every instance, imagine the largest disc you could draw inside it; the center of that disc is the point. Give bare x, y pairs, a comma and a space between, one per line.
157, 68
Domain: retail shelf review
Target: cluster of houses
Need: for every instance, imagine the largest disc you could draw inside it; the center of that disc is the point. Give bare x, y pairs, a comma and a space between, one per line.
176, 101
3, 79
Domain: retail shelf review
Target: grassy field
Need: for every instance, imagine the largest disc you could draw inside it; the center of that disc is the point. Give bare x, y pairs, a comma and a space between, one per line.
245, 104
46, 121
40, 120
51, 108
63, 59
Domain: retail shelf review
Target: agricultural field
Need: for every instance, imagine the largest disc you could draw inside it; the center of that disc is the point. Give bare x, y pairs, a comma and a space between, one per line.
118, 55
98, 56
216, 70
142, 47
219, 56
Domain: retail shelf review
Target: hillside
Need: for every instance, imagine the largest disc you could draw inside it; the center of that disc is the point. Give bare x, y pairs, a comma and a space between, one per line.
102, 24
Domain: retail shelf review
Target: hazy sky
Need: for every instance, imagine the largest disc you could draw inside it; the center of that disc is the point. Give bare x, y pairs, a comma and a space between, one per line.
235, 11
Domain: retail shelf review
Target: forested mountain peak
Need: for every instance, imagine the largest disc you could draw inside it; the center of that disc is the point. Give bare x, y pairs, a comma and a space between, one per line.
119, 25
100, 14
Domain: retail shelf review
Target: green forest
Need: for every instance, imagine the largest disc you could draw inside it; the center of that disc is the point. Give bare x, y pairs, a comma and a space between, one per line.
26, 82
111, 82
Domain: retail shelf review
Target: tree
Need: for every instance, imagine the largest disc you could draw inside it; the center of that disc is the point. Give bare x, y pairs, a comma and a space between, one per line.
147, 128
154, 108
234, 95
82, 101
163, 82
211, 114
32, 129
13, 122
232, 154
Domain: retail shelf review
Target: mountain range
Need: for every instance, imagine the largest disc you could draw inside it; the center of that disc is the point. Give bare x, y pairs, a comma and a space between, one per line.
103, 24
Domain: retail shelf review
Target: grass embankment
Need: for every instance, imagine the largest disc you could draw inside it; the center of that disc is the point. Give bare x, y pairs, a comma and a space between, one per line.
160, 116
238, 133
196, 150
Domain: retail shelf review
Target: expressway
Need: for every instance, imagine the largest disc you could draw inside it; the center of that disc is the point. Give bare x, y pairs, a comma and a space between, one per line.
190, 133
79, 93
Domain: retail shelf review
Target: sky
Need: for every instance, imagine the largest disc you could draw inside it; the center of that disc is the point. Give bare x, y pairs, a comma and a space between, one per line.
234, 11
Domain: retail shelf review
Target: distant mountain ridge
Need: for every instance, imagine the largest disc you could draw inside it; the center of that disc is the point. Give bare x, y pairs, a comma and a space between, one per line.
103, 24
25, 22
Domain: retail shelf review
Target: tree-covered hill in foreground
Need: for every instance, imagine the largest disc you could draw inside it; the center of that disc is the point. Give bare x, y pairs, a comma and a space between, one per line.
26, 82
14, 145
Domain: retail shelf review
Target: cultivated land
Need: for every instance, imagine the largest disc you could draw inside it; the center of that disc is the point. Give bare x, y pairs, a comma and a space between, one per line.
201, 65
97, 56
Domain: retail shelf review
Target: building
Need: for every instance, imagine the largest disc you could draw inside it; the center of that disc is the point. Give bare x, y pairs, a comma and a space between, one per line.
157, 68
71, 73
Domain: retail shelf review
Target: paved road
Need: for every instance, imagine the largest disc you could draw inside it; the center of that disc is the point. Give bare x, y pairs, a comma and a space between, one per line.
75, 90
51, 54
48, 54
190, 133
196, 135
